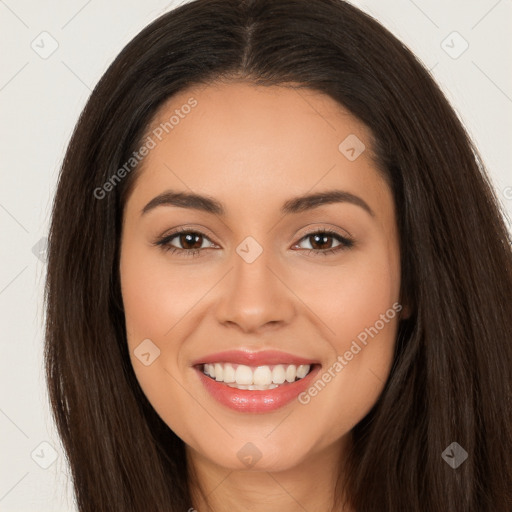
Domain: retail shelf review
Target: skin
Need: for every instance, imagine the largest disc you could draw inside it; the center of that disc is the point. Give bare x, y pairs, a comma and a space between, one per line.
253, 148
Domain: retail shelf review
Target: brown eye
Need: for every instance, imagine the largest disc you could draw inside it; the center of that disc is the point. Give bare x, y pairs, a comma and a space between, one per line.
325, 242
184, 242
321, 241
190, 240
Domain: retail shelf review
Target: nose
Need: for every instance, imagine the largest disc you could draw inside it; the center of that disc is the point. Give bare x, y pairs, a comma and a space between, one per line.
254, 296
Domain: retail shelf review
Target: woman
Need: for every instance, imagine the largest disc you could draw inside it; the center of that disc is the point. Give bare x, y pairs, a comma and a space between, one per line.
278, 276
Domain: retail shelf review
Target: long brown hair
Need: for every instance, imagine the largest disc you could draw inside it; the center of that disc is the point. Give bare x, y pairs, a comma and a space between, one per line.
451, 377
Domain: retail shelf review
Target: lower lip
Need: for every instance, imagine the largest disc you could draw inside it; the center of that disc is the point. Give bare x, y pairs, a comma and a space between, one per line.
257, 401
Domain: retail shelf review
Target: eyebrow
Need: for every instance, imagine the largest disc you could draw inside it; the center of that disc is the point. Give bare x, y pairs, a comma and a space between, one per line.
294, 205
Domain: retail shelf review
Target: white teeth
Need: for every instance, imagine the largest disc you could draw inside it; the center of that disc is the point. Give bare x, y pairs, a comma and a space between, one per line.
262, 377
243, 375
302, 370
229, 373
278, 374
290, 373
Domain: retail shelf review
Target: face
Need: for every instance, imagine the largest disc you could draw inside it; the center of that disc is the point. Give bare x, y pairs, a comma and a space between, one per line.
260, 245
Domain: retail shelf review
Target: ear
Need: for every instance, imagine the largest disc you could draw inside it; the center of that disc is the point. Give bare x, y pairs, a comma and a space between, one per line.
406, 311
407, 302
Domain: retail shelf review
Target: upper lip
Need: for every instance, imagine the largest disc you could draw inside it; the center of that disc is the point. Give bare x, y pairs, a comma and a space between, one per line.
248, 358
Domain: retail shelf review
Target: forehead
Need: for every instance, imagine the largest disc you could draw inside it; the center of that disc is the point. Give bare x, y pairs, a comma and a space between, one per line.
252, 145
260, 117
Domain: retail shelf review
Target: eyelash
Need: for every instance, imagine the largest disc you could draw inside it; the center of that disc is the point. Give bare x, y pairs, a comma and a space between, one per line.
164, 242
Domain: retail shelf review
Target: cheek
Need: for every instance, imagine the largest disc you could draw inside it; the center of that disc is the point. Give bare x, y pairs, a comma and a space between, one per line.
159, 300
352, 296
155, 301
359, 308
359, 297
353, 380
155, 294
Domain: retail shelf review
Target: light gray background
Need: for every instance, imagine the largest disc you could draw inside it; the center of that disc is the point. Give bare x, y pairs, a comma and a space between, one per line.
40, 100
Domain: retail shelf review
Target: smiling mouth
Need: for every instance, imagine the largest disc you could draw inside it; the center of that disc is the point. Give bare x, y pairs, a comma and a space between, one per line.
255, 378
